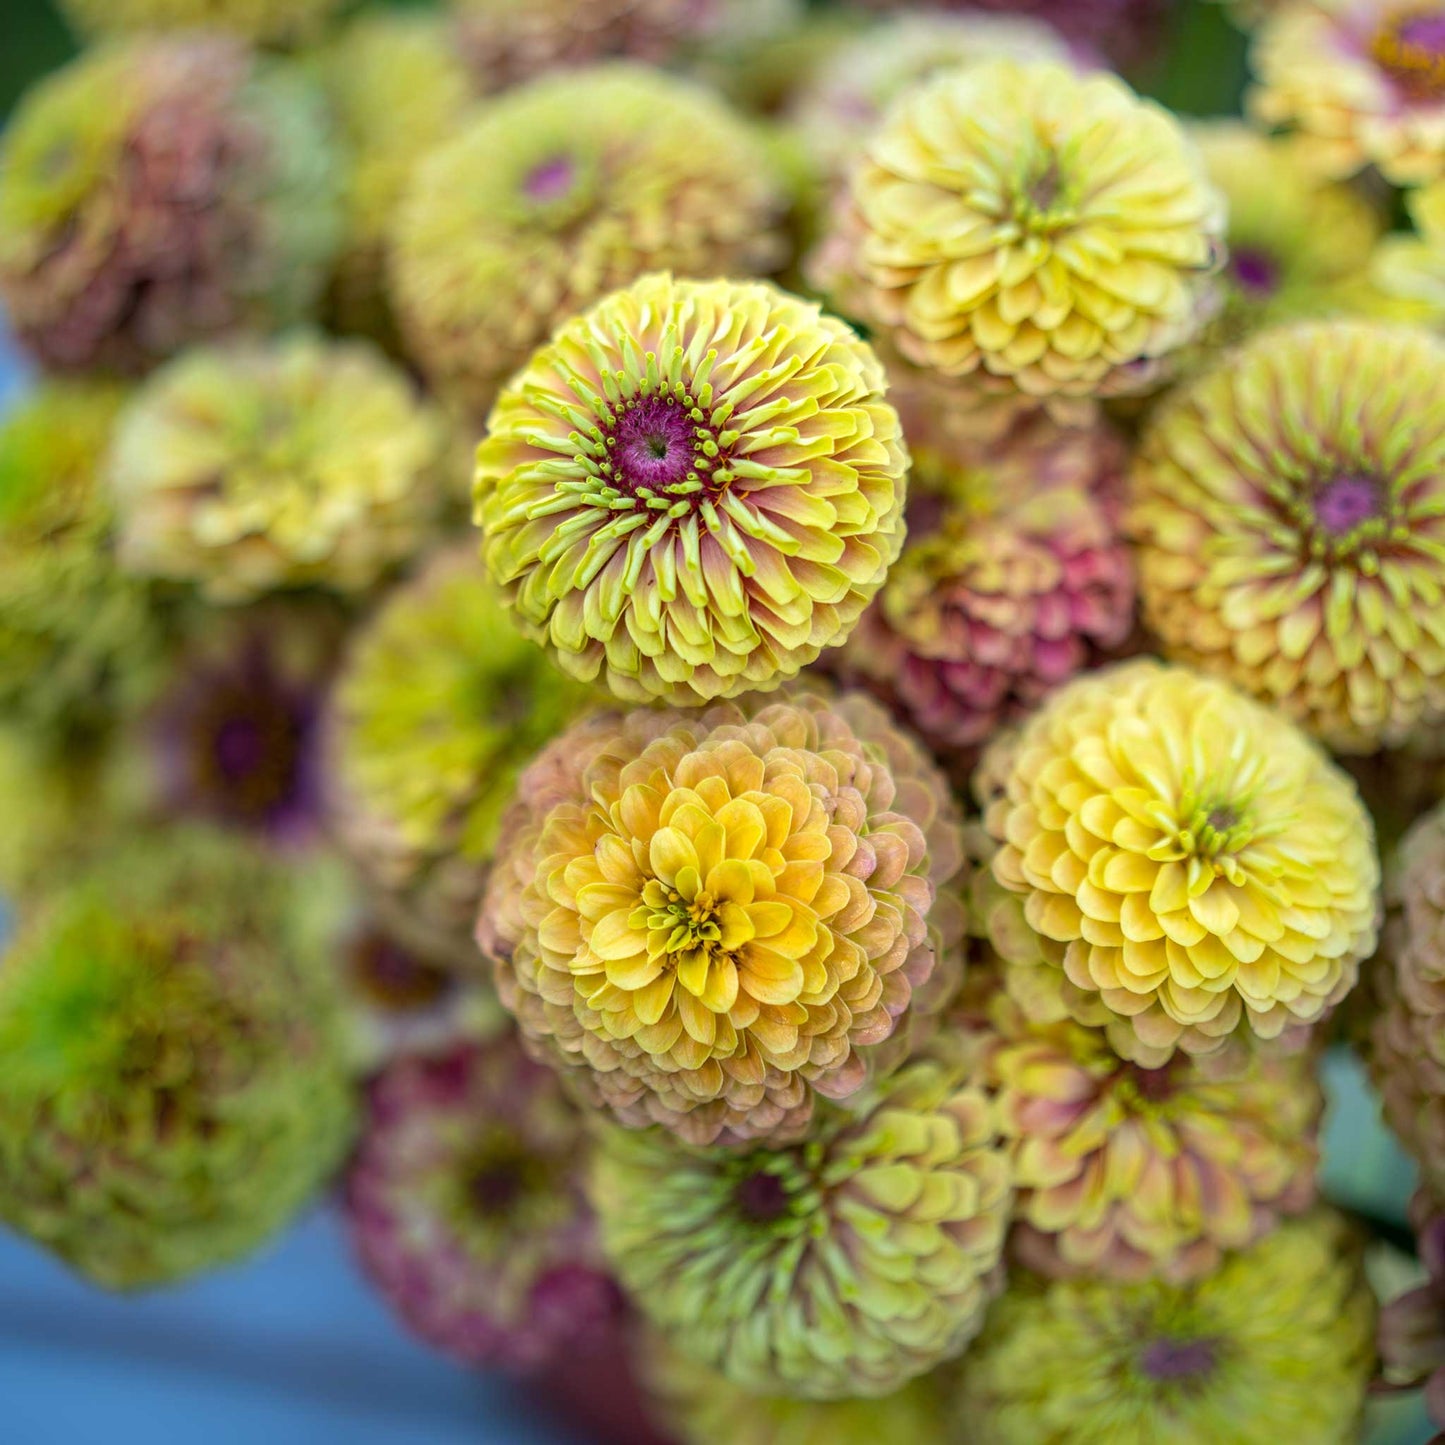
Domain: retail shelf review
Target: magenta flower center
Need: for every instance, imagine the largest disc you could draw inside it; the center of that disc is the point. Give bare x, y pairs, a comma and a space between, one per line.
660, 449
1343, 504
1255, 271
246, 750
551, 180
1154, 1085
762, 1197
1172, 1360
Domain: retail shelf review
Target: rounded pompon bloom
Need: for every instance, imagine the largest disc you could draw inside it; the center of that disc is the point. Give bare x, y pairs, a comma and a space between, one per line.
231, 735
1207, 868
265, 22
272, 464
557, 193
1407, 1057
701, 1406
1362, 82
1128, 1172
1038, 228
1278, 1344
845, 1266
398, 89
693, 489
79, 640
1297, 244
465, 1207
1289, 510
1013, 578
160, 191
711, 919
846, 98
436, 710
173, 1086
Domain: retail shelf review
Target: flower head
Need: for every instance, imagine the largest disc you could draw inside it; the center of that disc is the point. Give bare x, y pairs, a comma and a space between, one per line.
1278, 1344
1288, 511
163, 190
398, 90
1130, 1172
231, 735
276, 464
1040, 229
842, 1267
1205, 866
172, 1081
465, 1207
266, 22
79, 640
560, 191
701, 1406
713, 918
693, 490
436, 710
1013, 577
1361, 81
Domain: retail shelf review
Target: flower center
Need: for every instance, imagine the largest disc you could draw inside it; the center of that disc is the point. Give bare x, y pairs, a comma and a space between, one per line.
762, 1197
662, 452
392, 977
1040, 201
1344, 503
1153, 1086
1212, 828
246, 752
550, 180
1255, 271
1410, 48
499, 1178
1167, 1360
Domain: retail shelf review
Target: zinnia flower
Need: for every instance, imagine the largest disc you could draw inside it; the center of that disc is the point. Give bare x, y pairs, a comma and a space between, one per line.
1013, 577
163, 190
1130, 1172
465, 1207
1278, 1344
231, 735
79, 640
693, 490
439, 706
1289, 508
711, 919
173, 1086
843, 1267
276, 464
1362, 82
1407, 1059
560, 191
1205, 866
1040, 229
273, 22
